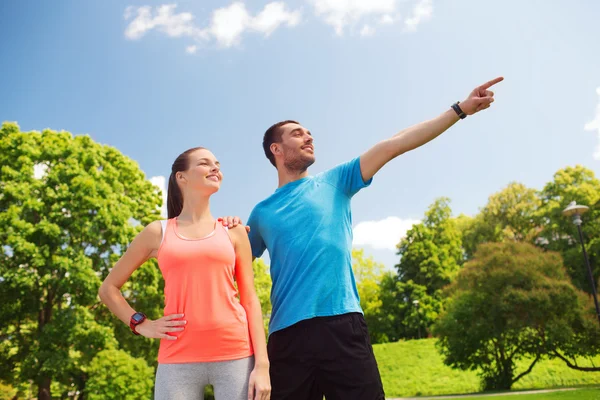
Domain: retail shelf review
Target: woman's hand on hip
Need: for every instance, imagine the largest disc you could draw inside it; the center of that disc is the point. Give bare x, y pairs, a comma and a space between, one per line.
160, 328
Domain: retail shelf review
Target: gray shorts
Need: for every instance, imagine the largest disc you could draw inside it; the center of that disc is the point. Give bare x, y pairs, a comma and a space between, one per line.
187, 381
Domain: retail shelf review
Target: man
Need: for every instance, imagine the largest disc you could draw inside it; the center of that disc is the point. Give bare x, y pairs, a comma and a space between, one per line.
318, 340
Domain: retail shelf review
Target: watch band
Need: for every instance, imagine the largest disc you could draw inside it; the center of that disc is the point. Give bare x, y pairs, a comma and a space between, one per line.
459, 111
135, 320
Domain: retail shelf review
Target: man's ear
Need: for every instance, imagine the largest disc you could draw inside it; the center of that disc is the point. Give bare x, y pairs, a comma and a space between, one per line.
275, 148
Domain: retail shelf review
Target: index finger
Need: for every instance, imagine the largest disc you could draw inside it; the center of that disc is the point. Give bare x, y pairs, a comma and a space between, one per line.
491, 83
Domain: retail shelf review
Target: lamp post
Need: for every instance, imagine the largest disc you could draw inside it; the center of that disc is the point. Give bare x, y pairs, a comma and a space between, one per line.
576, 211
416, 303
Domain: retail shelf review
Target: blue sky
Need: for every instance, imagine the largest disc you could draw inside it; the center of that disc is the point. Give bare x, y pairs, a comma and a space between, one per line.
154, 80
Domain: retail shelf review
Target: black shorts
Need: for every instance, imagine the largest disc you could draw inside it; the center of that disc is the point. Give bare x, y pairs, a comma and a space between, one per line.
324, 356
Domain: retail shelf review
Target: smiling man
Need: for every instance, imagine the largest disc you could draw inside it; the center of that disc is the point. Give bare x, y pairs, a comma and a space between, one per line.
319, 343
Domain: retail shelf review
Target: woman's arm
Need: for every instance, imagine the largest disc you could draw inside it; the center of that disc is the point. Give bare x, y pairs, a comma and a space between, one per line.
260, 385
144, 246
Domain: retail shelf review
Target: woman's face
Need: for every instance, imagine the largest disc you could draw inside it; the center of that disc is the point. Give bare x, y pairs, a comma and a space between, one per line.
203, 173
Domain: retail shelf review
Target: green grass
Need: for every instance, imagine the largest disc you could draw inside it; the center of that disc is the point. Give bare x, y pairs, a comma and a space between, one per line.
415, 368
584, 394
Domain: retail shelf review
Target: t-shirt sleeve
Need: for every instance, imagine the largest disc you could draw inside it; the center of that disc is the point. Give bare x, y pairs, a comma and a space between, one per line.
347, 177
256, 240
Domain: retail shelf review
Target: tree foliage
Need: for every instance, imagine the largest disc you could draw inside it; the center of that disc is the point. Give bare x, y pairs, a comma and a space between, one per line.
511, 301
510, 214
66, 211
368, 275
115, 375
262, 284
559, 234
431, 253
431, 256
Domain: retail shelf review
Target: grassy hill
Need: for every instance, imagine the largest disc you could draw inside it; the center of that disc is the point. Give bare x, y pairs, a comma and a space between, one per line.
415, 368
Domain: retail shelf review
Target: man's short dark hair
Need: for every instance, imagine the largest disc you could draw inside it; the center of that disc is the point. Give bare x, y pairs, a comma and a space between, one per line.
273, 135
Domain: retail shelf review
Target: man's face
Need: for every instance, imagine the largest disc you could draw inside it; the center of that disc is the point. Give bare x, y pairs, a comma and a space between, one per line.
296, 147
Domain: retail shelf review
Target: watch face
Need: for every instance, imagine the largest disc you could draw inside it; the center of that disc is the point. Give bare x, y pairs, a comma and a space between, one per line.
137, 317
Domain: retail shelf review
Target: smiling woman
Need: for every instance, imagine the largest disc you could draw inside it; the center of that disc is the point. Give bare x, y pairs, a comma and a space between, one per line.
205, 332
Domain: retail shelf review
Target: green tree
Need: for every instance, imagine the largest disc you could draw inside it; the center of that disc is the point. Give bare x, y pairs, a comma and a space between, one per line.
114, 374
431, 255
512, 301
384, 324
559, 234
262, 284
7, 392
368, 275
145, 292
510, 214
400, 317
66, 206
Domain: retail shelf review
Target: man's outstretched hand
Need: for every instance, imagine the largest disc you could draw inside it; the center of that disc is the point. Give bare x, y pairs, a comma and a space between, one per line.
480, 98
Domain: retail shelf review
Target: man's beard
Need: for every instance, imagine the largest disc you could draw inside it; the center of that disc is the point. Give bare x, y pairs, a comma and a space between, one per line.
298, 164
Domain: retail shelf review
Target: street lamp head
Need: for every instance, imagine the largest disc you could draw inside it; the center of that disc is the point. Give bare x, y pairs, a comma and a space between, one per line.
575, 210
416, 302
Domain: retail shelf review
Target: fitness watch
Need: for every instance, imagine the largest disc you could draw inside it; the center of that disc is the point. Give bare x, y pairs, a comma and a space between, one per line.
459, 111
135, 320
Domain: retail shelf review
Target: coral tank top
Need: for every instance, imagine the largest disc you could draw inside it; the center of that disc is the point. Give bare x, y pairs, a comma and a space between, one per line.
199, 283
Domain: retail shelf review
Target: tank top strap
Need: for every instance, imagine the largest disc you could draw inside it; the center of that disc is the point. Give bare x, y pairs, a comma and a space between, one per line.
163, 225
223, 232
167, 231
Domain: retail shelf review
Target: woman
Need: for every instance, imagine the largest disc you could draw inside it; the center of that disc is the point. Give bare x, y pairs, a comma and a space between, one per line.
207, 335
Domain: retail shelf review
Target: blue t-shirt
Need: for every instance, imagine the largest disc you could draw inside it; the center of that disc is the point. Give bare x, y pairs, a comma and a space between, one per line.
307, 227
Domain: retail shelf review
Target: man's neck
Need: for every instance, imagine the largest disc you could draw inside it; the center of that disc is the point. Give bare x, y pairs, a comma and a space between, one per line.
286, 176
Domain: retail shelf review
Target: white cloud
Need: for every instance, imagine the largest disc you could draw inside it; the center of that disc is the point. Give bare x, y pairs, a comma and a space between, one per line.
382, 234
229, 23
226, 27
272, 16
39, 170
367, 31
161, 183
594, 125
339, 13
387, 19
421, 12
164, 20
